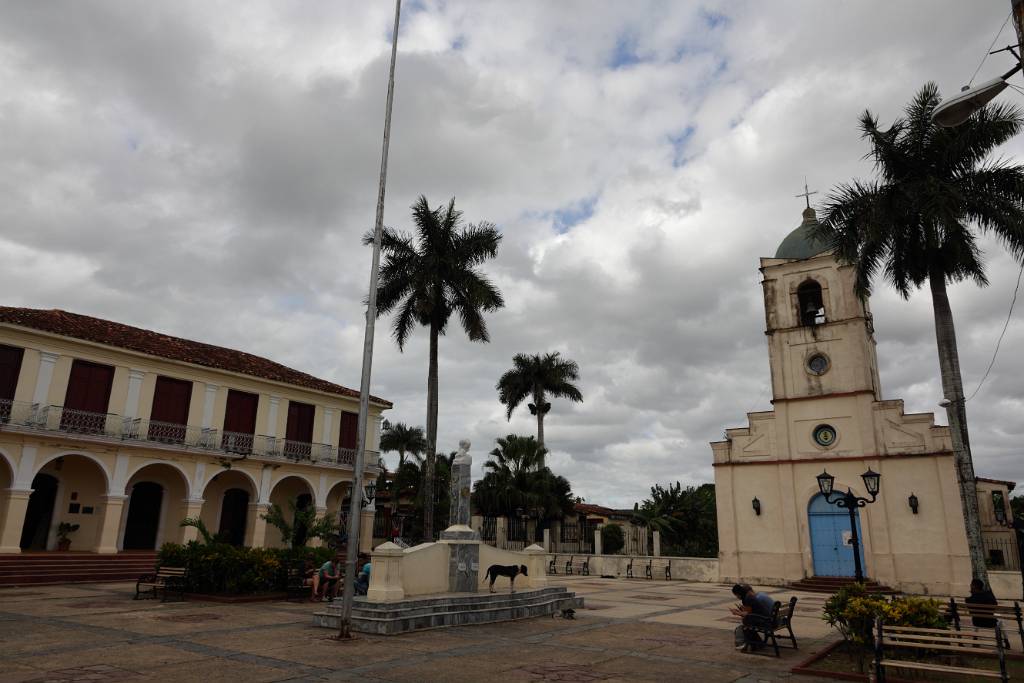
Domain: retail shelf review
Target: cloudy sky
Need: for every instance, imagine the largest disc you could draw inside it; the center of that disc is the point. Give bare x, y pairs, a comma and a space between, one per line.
206, 169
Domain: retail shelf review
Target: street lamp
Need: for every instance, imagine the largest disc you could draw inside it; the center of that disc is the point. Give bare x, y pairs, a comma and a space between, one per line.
847, 500
370, 489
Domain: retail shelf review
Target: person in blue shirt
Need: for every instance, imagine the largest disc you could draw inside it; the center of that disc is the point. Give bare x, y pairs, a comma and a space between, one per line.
754, 609
363, 577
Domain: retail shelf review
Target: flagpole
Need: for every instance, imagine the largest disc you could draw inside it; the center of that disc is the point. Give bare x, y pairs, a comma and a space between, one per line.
356, 498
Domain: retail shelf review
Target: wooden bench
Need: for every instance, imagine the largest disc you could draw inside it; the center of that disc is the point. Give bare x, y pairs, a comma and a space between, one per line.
668, 571
937, 642
582, 567
649, 569
961, 611
629, 569
166, 579
781, 619
553, 565
295, 584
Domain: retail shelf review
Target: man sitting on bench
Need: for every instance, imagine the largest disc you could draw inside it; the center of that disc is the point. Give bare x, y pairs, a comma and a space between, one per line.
326, 582
755, 609
981, 596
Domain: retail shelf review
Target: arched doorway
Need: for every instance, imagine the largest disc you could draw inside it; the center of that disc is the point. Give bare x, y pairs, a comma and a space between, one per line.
830, 538
302, 503
39, 514
143, 521
234, 512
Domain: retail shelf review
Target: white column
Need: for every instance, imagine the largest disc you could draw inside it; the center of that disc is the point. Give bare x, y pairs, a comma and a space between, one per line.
328, 424
46, 362
26, 468
131, 403
208, 401
272, 416
265, 476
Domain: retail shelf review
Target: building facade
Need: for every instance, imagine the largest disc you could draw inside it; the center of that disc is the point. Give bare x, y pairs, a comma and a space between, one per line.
828, 414
125, 432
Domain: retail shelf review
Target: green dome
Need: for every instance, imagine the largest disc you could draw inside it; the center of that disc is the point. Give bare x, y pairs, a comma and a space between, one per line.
799, 244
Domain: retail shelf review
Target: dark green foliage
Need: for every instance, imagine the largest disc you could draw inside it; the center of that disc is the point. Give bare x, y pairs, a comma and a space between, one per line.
852, 611
516, 480
303, 526
405, 440
537, 377
220, 568
612, 539
686, 519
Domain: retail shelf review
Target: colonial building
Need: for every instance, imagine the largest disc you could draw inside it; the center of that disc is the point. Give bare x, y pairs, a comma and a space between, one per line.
828, 413
125, 432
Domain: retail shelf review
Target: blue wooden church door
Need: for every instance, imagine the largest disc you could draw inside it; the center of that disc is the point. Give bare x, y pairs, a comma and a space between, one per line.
830, 533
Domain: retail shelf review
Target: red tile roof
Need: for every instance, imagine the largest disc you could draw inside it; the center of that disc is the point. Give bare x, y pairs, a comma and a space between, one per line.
589, 509
165, 346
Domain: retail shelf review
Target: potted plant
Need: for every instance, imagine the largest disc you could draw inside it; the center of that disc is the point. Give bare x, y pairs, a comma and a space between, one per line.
63, 530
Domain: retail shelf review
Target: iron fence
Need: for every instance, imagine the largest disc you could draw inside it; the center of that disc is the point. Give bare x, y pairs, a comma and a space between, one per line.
1001, 554
489, 529
638, 540
576, 537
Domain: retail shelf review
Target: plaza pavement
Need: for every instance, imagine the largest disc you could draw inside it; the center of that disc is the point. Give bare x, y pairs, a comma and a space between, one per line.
631, 630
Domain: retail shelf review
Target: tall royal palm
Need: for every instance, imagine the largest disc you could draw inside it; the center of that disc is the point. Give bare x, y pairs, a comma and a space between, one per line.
538, 377
427, 278
916, 222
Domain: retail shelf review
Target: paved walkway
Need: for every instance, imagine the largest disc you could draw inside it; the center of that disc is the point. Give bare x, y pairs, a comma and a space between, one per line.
632, 630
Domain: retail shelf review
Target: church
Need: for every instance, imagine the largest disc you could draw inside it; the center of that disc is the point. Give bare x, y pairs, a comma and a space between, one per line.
828, 415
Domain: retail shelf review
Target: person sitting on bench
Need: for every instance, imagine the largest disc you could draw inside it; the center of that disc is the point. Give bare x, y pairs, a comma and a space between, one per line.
755, 609
326, 581
981, 596
363, 577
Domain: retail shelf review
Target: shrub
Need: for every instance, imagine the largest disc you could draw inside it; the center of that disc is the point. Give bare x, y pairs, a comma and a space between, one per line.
227, 569
612, 539
852, 610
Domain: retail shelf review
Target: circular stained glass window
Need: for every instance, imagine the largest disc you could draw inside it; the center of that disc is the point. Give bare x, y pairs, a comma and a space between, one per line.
825, 435
818, 364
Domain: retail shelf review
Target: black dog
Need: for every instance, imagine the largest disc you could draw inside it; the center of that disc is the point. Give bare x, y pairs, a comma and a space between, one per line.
511, 571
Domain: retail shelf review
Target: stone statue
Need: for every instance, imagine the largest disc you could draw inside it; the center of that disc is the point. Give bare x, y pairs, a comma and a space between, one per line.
461, 486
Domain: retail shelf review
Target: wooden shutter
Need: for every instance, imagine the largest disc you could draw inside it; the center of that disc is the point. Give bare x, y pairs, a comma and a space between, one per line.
300, 422
240, 418
10, 368
169, 416
349, 427
89, 387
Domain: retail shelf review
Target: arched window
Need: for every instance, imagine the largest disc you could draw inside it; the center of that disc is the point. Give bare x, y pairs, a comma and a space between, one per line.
810, 306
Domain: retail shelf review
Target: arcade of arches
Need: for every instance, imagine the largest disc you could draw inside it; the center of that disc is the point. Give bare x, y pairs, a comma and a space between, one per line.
124, 503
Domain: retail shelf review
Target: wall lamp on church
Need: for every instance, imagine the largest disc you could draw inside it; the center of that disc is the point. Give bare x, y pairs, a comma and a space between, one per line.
913, 503
756, 504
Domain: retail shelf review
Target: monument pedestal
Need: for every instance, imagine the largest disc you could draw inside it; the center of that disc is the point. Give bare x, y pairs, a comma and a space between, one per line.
463, 558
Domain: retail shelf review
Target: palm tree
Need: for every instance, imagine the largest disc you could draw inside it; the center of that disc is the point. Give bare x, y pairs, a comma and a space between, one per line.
426, 279
516, 455
913, 224
404, 439
538, 377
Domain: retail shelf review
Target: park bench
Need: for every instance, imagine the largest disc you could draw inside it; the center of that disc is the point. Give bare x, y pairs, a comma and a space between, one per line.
166, 579
629, 569
960, 610
938, 645
781, 619
553, 564
649, 569
295, 584
577, 567
668, 571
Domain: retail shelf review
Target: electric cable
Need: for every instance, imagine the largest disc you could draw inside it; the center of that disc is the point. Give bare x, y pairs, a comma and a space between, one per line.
1001, 28
1000, 340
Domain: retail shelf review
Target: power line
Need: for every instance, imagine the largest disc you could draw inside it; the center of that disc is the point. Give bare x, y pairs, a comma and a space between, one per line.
1000, 340
994, 39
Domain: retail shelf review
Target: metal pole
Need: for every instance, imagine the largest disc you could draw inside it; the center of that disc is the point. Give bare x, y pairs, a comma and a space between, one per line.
851, 506
355, 504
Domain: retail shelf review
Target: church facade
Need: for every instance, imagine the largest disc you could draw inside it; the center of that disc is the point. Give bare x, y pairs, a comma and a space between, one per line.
829, 415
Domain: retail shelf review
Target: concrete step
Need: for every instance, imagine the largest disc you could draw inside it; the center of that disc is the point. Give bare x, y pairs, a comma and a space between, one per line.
40, 568
455, 610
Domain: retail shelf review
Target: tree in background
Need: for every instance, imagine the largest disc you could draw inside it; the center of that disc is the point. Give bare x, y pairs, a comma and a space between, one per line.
429, 278
303, 526
612, 539
516, 480
404, 439
685, 518
913, 225
538, 377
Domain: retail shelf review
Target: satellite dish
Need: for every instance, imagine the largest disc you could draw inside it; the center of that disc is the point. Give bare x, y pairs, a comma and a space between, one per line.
957, 109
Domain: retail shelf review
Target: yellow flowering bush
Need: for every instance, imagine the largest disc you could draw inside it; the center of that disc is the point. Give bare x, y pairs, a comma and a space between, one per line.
852, 611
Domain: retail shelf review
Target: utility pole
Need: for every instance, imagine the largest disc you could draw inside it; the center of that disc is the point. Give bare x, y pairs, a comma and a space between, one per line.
356, 499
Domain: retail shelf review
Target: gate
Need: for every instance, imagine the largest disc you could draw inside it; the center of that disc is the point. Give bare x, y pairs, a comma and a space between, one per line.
577, 537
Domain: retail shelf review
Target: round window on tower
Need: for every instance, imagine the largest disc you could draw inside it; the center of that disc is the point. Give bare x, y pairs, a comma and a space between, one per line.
818, 364
825, 436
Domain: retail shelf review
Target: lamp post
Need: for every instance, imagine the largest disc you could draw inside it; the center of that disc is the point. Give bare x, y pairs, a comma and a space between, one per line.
1018, 527
349, 592
847, 500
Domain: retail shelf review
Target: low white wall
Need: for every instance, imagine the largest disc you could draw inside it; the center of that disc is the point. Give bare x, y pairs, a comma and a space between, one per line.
536, 566
1005, 585
702, 569
425, 569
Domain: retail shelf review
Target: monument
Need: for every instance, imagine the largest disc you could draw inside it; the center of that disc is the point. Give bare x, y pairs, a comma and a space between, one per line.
463, 541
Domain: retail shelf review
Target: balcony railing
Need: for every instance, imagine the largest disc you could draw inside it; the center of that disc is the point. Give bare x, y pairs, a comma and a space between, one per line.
58, 419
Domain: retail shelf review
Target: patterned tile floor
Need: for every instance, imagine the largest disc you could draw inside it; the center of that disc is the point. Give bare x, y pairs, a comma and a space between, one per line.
637, 630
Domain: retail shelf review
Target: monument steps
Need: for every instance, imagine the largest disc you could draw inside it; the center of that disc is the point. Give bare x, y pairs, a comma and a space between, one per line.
73, 567
414, 614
